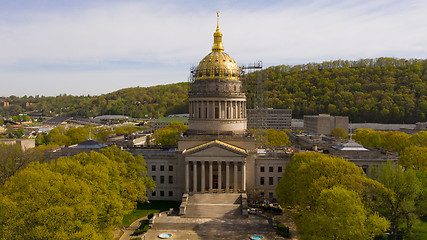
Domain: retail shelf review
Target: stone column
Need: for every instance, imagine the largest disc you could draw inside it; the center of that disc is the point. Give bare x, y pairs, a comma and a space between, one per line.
219, 109
195, 176
244, 176
227, 177
202, 187
187, 177
210, 176
235, 177
219, 178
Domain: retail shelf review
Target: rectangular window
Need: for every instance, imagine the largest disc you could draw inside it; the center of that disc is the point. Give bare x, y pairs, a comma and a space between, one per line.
170, 194
278, 179
271, 180
270, 169
261, 182
153, 194
162, 179
270, 194
154, 178
162, 193
170, 168
279, 169
262, 169
153, 168
170, 179
162, 167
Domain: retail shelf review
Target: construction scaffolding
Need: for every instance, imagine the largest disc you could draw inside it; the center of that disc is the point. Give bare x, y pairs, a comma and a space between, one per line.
253, 81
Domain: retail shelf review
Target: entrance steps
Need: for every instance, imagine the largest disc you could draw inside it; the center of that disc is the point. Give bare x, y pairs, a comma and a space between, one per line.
214, 205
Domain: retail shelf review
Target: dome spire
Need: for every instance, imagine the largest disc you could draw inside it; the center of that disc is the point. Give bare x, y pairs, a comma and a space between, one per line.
217, 47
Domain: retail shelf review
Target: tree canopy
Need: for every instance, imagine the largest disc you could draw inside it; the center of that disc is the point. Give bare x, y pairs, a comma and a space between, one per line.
385, 90
81, 197
340, 214
317, 183
169, 135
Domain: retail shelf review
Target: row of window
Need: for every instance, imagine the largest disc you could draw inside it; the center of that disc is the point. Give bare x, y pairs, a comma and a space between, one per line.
270, 194
162, 168
162, 193
162, 179
271, 169
270, 180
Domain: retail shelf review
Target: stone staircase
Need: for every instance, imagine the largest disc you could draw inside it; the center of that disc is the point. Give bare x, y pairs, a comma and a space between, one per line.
214, 205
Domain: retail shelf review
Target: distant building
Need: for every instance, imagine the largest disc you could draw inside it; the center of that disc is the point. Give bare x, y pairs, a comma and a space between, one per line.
69, 151
266, 118
419, 126
110, 119
382, 126
55, 121
368, 159
4, 104
26, 104
324, 123
24, 143
163, 122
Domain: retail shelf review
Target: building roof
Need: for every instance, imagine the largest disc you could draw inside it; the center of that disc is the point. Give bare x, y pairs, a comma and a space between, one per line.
216, 143
350, 146
90, 144
57, 120
111, 117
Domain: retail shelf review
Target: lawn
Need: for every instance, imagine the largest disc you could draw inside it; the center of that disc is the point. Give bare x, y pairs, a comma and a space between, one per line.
143, 209
419, 231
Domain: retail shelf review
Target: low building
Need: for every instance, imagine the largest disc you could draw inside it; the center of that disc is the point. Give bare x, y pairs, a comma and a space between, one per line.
69, 151
369, 160
324, 123
24, 143
266, 118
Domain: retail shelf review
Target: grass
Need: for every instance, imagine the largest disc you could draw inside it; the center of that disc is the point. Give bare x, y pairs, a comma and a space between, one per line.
143, 209
419, 231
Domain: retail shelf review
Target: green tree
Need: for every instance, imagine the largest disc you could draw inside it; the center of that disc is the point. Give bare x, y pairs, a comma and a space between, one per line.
309, 173
57, 136
13, 159
414, 157
170, 134
1, 122
340, 214
77, 135
270, 137
339, 132
405, 188
81, 197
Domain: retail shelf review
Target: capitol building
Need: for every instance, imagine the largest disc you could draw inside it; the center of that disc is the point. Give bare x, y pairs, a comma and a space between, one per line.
216, 154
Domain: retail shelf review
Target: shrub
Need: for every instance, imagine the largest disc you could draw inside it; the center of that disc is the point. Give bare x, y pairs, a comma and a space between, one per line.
282, 230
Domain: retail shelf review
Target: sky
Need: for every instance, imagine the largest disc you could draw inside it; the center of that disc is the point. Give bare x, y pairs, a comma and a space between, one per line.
80, 47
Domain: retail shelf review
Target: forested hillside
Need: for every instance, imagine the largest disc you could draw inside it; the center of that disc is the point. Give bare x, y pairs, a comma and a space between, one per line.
136, 102
384, 90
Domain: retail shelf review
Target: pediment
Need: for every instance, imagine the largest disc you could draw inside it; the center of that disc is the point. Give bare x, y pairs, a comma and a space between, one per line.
215, 148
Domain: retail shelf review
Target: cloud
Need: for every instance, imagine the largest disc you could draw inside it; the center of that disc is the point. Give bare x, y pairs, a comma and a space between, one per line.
160, 37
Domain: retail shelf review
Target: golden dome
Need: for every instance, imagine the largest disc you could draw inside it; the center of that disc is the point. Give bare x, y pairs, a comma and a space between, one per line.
217, 64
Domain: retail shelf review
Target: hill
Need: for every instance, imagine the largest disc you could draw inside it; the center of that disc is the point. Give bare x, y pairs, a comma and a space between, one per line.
384, 90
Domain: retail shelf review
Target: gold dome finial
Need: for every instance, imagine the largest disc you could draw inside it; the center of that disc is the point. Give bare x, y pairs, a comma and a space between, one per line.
217, 47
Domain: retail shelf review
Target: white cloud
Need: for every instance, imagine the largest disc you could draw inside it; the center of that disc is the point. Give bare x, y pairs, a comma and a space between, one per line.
162, 37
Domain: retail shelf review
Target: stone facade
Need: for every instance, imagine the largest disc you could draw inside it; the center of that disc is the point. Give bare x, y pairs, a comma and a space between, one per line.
324, 123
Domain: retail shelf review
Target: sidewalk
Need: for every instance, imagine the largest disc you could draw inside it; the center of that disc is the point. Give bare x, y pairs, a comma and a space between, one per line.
135, 225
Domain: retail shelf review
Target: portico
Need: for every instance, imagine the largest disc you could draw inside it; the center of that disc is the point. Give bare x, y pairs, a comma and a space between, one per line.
222, 172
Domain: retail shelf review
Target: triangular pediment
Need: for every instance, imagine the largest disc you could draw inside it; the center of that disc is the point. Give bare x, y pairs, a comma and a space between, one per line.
215, 148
